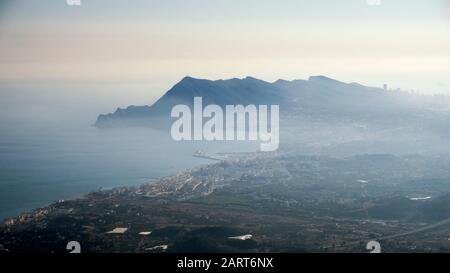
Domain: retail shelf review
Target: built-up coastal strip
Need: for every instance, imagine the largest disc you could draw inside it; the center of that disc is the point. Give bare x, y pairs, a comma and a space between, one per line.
272, 202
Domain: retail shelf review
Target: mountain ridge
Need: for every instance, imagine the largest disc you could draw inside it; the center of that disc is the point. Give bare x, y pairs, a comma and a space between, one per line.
318, 95
248, 90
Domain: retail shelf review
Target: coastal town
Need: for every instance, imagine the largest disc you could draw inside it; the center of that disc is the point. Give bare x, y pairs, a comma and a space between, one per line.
253, 203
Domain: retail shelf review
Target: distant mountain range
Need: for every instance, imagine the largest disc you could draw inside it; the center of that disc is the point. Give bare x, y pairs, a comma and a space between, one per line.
318, 96
318, 115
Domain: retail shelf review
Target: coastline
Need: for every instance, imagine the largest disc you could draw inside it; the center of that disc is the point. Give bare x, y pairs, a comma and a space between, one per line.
38, 210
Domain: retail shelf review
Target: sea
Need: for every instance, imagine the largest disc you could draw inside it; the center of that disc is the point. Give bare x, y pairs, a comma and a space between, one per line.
42, 163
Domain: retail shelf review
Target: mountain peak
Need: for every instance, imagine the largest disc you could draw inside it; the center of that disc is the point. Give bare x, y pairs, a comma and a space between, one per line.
281, 81
252, 79
189, 82
188, 79
324, 79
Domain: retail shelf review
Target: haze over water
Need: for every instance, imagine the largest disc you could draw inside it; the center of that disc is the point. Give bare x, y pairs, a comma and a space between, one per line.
51, 151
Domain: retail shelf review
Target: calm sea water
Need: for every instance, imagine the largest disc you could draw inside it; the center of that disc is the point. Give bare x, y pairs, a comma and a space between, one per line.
40, 165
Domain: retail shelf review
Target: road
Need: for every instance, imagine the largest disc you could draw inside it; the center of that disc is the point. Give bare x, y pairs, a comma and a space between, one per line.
432, 226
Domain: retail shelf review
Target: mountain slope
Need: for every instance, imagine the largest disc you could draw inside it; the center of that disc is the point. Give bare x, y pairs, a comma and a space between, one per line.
221, 92
319, 96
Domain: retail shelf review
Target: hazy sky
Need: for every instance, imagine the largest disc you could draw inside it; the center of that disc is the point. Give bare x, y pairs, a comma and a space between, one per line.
141, 48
